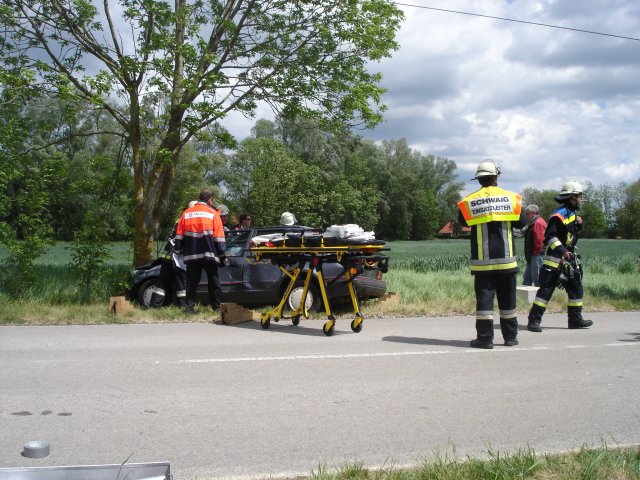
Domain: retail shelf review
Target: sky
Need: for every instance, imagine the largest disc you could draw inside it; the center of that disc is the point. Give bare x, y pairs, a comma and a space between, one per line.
547, 104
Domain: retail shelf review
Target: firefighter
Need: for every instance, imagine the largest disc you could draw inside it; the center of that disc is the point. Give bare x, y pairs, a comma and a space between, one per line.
492, 212
560, 266
200, 238
172, 272
223, 210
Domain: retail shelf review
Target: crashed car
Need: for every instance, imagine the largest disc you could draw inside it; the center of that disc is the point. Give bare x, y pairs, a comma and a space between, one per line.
252, 284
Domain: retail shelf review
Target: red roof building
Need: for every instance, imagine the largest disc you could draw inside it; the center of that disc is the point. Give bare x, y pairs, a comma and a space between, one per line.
452, 229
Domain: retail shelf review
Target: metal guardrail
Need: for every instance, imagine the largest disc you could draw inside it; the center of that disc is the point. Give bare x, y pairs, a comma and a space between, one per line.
128, 471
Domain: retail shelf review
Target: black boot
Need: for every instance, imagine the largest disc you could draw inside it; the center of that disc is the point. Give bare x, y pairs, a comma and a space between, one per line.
534, 326
581, 323
477, 343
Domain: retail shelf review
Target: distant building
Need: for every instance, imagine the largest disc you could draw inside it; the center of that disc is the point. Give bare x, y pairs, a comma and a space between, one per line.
454, 230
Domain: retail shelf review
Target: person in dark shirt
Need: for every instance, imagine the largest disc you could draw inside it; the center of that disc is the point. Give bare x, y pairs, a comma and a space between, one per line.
492, 212
560, 266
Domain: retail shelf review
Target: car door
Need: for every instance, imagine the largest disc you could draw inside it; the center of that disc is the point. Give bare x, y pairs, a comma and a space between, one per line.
231, 274
261, 280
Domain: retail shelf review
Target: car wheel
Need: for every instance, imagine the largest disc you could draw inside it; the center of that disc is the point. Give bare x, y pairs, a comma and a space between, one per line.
313, 301
146, 291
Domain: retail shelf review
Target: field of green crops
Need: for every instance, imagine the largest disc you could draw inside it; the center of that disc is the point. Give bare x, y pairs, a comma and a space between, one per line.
432, 278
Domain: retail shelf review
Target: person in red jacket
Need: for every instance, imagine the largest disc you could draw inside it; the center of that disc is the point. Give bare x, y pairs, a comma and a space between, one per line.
533, 242
200, 239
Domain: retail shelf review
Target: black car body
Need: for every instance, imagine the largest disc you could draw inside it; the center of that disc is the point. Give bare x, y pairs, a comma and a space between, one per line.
252, 284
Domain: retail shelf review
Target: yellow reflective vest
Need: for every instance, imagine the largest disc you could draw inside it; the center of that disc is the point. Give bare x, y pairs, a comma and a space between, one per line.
491, 212
490, 204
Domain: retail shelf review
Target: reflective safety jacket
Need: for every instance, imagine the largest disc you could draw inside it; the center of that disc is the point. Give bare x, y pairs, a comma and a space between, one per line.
199, 235
492, 212
561, 235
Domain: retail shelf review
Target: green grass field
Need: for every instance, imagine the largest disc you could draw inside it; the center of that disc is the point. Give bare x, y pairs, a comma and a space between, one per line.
432, 278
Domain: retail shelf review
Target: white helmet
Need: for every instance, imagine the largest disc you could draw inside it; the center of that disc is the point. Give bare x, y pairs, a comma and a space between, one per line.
192, 203
223, 209
570, 188
487, 168
287, 218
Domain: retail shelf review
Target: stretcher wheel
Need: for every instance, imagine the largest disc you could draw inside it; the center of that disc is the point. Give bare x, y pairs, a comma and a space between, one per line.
296, 320
329, 327
265, 321
356, 324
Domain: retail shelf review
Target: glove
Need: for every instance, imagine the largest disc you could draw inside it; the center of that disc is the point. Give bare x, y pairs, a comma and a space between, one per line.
223, 260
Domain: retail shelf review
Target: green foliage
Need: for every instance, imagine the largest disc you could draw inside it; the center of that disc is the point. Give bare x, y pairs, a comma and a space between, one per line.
544, 199
524, 463
25, 182
451, 263
280, 182
627, 214
306, 60
89, 256
418, 192
607, 211
17, 270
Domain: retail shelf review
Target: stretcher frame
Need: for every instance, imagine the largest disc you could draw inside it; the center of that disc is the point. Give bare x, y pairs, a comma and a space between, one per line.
354, 259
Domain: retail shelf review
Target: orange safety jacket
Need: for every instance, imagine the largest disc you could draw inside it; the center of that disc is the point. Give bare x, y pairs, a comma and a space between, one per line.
491, 212
200, 235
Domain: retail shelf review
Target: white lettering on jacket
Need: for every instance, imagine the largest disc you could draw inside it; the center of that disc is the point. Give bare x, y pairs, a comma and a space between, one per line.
487, 205
199, 215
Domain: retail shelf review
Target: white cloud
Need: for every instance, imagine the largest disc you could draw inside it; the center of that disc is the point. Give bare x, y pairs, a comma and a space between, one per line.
547, 104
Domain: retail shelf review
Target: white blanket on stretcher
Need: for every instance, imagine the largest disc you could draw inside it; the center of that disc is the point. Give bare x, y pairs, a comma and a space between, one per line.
350, 230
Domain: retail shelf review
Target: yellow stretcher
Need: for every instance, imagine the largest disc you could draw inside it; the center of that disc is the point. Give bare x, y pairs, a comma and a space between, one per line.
292, 260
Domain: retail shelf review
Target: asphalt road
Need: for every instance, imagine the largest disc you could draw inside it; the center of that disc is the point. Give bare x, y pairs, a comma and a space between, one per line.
241, 402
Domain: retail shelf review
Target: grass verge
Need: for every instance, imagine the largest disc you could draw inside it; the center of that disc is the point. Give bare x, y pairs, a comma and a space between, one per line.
587, 464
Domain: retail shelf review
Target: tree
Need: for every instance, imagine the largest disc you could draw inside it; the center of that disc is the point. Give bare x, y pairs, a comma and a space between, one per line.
543, 199
627, 214
438, 176
280, 182
418, 192
208, 59
25, 181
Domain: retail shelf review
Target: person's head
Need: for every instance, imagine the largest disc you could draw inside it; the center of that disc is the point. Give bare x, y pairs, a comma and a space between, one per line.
571, 194
287, 218
245, 220
487, 173
206, 196
531, 211
224, 213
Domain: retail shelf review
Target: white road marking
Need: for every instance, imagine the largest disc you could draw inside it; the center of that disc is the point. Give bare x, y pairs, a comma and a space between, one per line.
382, 354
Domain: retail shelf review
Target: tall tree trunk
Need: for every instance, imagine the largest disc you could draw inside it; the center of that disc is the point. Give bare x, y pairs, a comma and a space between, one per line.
151, 204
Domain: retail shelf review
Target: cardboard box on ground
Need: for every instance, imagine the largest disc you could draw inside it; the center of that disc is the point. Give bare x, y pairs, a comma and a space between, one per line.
232, 313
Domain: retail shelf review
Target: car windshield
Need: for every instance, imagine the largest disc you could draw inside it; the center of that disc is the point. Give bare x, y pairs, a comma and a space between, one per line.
236, 242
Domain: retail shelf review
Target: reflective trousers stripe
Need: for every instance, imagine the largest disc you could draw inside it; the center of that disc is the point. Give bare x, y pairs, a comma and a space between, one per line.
541, 302
508, 314
574, 302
